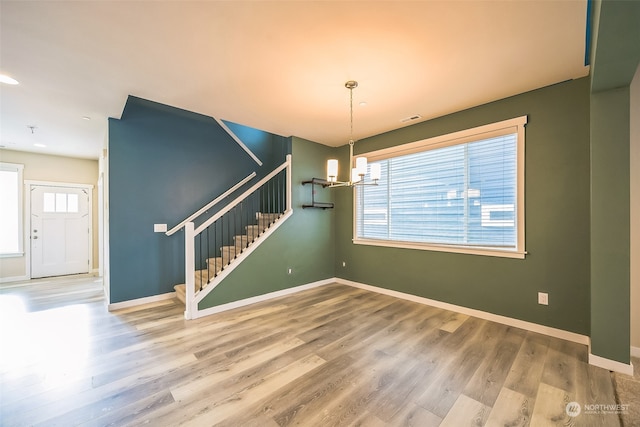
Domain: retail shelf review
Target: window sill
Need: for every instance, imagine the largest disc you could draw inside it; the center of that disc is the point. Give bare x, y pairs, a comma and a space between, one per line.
443, 248
12, 255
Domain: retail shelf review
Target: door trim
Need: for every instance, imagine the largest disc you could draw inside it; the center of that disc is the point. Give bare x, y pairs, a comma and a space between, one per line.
28, 183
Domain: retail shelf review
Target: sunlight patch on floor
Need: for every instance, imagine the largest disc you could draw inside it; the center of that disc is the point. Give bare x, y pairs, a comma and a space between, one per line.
52, 344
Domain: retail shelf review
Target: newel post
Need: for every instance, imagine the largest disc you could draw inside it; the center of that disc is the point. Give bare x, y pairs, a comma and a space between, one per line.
288, 182
189, 268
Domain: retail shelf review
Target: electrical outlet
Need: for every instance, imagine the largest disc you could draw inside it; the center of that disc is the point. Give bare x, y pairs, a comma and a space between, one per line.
344, 263
289, 271
543, 298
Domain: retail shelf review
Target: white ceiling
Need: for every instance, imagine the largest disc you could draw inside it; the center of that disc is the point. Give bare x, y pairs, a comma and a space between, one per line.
278, 66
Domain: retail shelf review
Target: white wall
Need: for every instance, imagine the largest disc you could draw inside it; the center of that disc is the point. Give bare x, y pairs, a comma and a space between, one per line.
635, 212
42, 167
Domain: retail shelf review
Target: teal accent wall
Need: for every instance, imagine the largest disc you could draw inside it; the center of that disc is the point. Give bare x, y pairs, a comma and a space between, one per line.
164, 164
304, 242
556, 220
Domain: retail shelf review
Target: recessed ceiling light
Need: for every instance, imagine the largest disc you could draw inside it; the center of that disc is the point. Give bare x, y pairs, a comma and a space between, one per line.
8, 80
86, 118
363, 103
39, 145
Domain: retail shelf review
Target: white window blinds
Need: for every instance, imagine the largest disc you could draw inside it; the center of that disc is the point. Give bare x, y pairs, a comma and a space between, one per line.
462, 194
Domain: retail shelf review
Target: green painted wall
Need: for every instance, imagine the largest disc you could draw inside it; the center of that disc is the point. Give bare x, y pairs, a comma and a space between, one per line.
615, 58
557, 220
610, 232
303, 243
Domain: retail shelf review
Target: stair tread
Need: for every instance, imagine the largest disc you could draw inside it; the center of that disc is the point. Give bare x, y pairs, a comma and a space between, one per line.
229, 253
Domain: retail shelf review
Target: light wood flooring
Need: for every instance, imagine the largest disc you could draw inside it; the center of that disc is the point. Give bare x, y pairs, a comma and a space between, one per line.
330, 356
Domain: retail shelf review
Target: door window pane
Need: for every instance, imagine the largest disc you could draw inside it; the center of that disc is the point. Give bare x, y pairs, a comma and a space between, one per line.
49, 202
72, 203
61, 202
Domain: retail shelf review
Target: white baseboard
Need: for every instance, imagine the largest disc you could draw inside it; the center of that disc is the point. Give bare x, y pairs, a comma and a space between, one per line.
241, 303
610, 365
140, 301
509, 321
13, 279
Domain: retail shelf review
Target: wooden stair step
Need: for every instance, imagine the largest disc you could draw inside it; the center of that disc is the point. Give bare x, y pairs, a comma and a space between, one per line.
271, 216
228, 253
242, 240
214, 264
253, 231
181, 292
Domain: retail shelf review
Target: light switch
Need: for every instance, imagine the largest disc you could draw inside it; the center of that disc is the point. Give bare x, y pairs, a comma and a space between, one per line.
159, 228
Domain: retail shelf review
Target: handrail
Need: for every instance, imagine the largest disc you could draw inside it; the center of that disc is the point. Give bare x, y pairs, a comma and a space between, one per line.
241, 197
211, 204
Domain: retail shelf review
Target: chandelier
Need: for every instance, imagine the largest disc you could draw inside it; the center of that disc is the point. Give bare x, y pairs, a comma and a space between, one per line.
358, 166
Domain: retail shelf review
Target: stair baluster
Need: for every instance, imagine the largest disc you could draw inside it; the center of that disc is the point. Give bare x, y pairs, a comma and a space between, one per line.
232, 230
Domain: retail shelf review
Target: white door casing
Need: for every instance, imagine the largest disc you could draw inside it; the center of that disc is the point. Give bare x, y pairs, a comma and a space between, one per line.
60, 234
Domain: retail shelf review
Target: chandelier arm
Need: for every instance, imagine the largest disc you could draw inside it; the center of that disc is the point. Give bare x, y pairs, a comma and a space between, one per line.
332, 179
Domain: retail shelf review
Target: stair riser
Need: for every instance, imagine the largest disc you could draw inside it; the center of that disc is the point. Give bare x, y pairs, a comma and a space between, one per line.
214, 263
228, 253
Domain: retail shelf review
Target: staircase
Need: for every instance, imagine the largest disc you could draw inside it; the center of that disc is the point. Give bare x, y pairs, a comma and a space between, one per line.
217, 245
229, 253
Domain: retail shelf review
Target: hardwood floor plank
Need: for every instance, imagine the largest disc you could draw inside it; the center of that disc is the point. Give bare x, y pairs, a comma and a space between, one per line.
236, 402
466, 412
220, 389
442, 393
365, 419
526, 370
373, 379
196, 386
511, 409
487, 381
595, 393
412, 415
403, 389
550, 407
328, 356
453, 321
287, 404
57, 402
560, 369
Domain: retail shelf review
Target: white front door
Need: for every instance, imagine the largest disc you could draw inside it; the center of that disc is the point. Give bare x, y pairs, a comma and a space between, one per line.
59, 232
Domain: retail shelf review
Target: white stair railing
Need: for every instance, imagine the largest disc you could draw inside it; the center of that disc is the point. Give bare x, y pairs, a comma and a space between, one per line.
211, 204
266, 202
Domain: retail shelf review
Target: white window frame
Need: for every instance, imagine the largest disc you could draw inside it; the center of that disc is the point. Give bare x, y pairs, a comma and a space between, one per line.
18, 168
515, 125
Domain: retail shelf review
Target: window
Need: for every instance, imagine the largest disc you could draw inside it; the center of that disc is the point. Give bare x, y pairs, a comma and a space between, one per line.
462, 192
60, 202
10, 209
